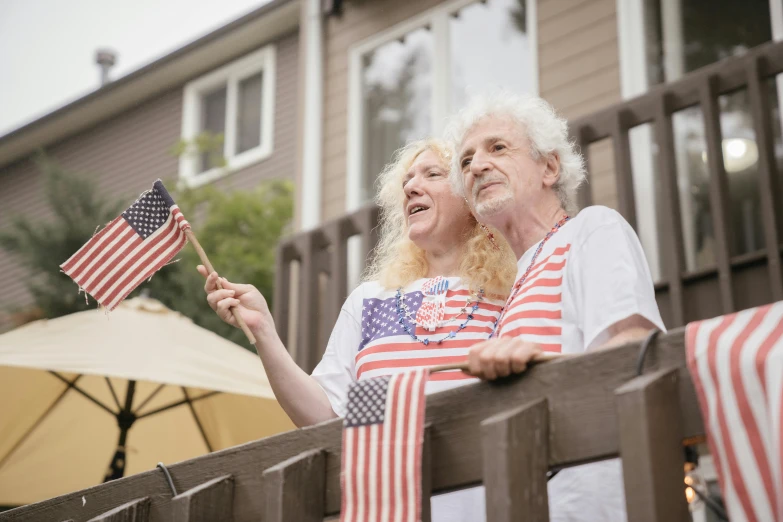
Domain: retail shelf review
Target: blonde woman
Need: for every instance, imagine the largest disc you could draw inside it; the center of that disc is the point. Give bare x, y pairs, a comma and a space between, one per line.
436, 288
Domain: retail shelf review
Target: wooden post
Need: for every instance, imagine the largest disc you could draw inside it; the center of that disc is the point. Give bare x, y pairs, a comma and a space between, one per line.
515, 450
212, 501
295, 489
426, 474
204, 259
134, 511
648, 416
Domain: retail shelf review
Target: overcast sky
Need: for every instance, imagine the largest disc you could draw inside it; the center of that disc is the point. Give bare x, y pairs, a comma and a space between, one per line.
47, 47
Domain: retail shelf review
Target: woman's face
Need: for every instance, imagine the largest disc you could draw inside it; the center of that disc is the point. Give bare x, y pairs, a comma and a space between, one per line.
436, 217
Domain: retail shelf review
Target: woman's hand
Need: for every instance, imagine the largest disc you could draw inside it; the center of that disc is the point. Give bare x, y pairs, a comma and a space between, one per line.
246, 298
501, 357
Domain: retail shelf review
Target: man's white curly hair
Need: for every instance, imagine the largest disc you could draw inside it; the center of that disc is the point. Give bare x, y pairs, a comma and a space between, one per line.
546, 131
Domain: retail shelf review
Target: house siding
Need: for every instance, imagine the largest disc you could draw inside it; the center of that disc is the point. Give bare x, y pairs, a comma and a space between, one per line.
579, 73
124, 154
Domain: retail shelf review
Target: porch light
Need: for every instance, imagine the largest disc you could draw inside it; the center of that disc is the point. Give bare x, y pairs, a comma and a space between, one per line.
738, 154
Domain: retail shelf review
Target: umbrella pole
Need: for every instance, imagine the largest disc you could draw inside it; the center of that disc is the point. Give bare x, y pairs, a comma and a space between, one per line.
125, 419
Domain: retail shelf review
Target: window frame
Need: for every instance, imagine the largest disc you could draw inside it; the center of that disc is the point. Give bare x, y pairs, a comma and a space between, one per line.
262, 60
437, 20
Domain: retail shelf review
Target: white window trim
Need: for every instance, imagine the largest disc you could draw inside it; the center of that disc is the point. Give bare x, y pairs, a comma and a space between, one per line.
231, 74
437, 18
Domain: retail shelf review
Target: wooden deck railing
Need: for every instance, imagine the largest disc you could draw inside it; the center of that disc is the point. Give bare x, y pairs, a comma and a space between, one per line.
505, 435
734, 283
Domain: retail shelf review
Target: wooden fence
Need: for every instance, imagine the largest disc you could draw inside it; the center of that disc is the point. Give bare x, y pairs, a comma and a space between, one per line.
734, 283
506, 435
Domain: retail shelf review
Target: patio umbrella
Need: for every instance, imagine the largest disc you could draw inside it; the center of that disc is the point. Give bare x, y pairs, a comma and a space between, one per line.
92, 396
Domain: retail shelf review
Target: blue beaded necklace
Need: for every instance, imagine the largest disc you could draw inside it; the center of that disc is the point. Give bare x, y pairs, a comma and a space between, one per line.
522, 279
450, 335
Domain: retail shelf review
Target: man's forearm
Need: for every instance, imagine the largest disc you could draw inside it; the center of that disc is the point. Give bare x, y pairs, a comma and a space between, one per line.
298, 393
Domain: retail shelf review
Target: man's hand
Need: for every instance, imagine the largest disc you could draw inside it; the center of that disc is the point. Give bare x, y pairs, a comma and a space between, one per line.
246, 298
501, 357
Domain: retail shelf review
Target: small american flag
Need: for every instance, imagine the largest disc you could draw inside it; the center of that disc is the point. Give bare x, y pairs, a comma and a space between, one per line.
383, 433
129, 249
736, 362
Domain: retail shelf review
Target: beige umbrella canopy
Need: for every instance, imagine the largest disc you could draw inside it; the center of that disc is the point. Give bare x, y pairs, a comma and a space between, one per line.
93, 395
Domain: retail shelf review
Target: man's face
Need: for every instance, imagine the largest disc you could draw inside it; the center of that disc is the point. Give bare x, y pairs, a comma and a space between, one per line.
499, 173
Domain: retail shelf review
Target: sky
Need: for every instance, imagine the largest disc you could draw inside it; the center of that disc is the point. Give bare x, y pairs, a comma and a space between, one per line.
47, 47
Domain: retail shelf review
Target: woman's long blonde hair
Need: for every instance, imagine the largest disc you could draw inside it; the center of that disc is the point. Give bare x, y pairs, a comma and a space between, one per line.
398, 261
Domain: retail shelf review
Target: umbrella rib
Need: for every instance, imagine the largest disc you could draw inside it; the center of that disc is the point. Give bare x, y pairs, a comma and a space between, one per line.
41, 418
175, 404
85, 394
148, 399
195, 417
113, 393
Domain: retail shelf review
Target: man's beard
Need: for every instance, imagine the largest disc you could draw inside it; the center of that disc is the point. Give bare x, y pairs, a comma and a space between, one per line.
492, 205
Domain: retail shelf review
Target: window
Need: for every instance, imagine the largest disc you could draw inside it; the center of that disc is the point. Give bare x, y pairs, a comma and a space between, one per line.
228, 117
681, 36
405, 82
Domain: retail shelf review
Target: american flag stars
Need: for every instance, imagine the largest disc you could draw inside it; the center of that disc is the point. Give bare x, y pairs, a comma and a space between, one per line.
147, 214
379, 319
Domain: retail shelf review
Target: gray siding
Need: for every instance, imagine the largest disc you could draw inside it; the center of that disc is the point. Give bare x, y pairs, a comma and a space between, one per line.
579, 73
126, 153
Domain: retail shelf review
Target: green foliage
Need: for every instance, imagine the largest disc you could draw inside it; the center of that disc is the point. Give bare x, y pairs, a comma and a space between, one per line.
41, 246
208, 145
238, 230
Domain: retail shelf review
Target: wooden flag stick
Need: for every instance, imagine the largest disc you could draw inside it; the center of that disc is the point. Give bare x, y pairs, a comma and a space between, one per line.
204, 259
538, 358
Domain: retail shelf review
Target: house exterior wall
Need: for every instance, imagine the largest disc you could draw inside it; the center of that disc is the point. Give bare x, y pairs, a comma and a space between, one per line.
579, 73
126, 153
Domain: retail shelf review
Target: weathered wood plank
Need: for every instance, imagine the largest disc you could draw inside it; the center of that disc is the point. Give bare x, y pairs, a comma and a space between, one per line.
648, 413
515, 453
212, 501
137, 510
768, 175
426, 475
719, 190
582, 420
294, 489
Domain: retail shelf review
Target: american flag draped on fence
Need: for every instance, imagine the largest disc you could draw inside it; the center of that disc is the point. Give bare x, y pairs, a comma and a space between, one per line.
129, 249
736, 362
383, 435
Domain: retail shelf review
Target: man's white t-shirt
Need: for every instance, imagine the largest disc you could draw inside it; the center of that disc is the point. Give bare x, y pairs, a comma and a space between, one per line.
589, 275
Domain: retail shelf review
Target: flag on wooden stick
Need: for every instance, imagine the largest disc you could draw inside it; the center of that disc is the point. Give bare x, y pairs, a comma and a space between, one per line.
383, 434
736, 363
129, 249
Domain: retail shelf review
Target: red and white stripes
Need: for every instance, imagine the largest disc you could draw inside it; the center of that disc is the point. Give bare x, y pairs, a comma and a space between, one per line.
736, 362
381, 475
117, 259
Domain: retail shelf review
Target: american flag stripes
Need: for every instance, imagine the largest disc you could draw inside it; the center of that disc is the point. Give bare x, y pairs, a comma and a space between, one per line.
383, 435
129, 249
736, 362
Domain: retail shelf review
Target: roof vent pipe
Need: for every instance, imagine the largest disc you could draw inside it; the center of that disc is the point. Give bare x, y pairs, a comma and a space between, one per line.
105, 58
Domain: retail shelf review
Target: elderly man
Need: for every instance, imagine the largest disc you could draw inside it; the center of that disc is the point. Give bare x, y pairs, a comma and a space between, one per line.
582, 283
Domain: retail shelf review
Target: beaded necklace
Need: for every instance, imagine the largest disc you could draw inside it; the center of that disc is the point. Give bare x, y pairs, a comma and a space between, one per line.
522, 279
401, 308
